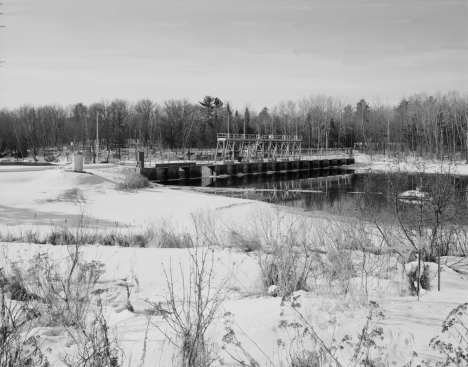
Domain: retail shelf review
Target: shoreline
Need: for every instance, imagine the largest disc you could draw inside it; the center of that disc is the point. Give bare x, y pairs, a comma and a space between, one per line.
380, 164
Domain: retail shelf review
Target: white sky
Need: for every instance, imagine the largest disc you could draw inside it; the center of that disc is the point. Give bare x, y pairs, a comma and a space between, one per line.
245, 51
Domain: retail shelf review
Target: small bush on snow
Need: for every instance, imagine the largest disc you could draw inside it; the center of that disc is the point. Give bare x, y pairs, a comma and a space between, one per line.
412, 278
286, 268
96, 346
74, 195
243, 243
170, 239
138, 240
114, 239
68, 300
60, 237
133, 182
190, 315
130, 240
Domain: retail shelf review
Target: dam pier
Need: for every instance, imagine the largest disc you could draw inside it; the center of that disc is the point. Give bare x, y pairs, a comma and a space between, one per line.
187, 170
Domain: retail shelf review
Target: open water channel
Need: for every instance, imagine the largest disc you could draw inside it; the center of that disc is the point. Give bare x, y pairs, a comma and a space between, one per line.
308, 190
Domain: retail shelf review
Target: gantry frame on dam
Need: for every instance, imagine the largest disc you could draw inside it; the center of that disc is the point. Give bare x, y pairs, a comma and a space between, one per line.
249, 147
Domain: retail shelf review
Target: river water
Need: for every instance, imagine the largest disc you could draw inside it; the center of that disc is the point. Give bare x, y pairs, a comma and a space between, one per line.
308, 190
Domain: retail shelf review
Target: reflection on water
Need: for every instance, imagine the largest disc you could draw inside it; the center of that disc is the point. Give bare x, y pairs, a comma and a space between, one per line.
302, 189
309, 190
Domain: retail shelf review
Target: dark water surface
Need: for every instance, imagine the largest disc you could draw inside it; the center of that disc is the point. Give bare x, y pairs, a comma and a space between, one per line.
303, 189
308, 190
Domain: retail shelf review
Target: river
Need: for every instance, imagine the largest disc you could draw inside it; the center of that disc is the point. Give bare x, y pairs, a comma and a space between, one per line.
308, 190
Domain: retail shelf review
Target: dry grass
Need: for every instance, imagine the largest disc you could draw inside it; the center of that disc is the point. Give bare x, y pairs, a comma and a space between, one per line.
74, 195
134, 181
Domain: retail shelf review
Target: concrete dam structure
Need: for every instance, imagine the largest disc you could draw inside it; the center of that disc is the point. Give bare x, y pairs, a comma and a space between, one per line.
188, 170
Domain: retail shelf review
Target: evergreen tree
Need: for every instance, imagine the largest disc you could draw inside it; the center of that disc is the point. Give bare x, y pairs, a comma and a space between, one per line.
362, 116
249, 129
264, 119
333, 134
211, 106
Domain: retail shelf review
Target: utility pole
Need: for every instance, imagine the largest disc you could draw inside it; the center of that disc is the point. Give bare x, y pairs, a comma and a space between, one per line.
244, 124
296, 126
438, 268
228, 118
97, 137
388, 132
419, 265
326, 143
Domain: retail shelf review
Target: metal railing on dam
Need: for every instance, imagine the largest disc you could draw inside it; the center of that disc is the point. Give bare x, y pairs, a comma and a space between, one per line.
204, 156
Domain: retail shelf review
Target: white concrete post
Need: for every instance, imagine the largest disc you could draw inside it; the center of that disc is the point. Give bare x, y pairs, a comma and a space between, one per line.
78, 161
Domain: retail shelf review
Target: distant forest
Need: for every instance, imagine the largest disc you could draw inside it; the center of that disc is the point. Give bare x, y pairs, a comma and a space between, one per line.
429, 125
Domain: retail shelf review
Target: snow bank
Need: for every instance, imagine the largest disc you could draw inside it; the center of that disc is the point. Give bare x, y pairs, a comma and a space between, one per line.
379, 163
32, 200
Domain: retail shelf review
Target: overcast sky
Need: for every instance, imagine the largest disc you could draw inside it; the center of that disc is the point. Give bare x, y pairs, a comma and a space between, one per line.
244, 51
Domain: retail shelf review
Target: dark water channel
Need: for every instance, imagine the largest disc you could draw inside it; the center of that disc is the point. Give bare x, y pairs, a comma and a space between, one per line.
308, 190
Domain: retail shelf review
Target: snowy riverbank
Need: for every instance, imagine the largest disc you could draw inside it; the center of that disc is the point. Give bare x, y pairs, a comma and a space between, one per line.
37, 199
380, 163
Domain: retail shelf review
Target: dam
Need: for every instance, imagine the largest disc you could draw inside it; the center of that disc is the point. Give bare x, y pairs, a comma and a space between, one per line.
190, 170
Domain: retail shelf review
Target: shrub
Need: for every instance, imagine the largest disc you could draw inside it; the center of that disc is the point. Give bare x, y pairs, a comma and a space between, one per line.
17, 346
190, 314
95, 347
301, 346
308, 358
453, 343
130, 240
114, 239
13, 285
60, 237
32, 237
283, 245
74, 195
454, 346
287, 268
164, 235
243, 243
51, 158
133, 182
412, 278
341, 266
138, 240
65, 289
170, 239
65, 295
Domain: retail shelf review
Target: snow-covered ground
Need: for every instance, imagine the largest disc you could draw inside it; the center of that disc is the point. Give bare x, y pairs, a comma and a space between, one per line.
32, 199
409, 324
381, 163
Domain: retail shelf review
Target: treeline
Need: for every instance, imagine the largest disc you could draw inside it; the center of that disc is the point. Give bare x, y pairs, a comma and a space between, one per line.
425, 125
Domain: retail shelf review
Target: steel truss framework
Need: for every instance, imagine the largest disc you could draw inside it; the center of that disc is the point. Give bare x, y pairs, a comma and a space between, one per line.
255, 147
